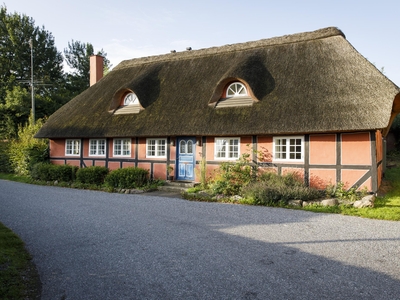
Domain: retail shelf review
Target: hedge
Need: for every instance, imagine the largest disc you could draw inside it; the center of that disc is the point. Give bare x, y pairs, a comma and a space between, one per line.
92, 175
127, 178
50, 172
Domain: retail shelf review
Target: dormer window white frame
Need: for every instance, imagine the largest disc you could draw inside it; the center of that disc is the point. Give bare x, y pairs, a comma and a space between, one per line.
236, 89
128, 103
131, 99
234, 94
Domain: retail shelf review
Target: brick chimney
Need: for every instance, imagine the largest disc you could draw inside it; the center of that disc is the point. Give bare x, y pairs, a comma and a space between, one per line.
96, 68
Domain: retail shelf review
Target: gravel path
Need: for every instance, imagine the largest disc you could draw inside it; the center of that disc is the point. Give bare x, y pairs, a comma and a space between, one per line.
96, 245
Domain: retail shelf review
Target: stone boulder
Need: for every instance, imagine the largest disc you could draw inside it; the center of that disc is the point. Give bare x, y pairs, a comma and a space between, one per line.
295, 202
330, 202
367, 201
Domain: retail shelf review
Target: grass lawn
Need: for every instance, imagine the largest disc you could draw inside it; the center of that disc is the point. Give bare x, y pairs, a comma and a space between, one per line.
387, 207
18, 275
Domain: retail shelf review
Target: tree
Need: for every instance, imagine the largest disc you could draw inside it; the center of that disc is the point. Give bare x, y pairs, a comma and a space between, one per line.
16, 32
77, 56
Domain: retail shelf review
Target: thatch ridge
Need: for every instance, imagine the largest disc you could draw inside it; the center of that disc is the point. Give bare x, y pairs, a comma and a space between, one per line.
189, 54
302, 83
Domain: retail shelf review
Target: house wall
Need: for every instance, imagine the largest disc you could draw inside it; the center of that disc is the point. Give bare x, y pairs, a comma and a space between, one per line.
352, 158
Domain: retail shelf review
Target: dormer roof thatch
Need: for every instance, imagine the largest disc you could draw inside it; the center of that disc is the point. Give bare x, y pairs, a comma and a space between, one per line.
303, 83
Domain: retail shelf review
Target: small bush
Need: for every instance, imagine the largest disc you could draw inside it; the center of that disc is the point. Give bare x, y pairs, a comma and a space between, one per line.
5, 166
50, 172
25, 151
92, 175
339, 191
272, 189
127, 178
231, 177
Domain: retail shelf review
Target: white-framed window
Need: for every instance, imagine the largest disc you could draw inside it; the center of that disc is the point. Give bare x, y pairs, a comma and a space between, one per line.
122, 147
156, 147
227, 148
131, 99
236, 89
97, 147
73, 147
289, 148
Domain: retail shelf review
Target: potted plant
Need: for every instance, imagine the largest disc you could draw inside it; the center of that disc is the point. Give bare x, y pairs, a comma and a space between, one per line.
170, 174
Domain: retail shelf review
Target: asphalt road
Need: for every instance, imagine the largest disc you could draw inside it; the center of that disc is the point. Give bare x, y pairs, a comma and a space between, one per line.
96, 245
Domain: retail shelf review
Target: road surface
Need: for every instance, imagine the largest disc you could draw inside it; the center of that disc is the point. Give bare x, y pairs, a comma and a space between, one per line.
97, 245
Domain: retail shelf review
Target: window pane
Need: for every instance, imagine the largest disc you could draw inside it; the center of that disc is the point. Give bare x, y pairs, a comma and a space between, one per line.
117, 147
126, 147
68, 148
76, 147
221, 148
236, 89
182, 147
151, 147
92, 147
190, 147
234, 148
161, 148
130, 99
102, 147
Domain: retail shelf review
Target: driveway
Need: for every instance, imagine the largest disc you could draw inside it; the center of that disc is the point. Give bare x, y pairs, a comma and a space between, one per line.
96, 245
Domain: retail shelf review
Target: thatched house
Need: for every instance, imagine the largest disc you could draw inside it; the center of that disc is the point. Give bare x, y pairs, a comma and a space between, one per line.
310, 102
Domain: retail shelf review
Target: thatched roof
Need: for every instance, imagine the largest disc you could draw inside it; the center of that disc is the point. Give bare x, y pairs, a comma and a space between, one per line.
301, 83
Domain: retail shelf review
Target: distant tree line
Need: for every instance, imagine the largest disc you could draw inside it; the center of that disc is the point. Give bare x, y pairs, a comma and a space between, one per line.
53, 86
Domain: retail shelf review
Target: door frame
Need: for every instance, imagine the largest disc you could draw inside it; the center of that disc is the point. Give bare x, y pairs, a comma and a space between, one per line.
187, 159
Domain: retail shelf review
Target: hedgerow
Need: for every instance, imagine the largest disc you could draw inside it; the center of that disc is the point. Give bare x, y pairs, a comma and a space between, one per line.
127, 178
92, 175
50, 172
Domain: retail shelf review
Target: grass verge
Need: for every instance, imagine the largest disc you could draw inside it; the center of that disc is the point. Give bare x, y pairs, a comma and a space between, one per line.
386, 206
18, 275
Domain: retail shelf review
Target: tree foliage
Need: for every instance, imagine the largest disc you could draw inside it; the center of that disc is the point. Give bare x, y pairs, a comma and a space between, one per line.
21, 40
17, 34
77, 57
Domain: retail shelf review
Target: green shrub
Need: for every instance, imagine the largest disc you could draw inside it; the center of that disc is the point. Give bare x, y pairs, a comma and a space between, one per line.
50, 172
231, 177
338, 191
26, 151
5, 166
92, 175
127, 178
272, 189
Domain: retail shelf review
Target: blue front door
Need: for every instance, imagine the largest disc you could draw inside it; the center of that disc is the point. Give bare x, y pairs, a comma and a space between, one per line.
185, 158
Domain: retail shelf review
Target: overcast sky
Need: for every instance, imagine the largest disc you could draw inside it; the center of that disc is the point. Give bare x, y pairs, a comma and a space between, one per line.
129, 29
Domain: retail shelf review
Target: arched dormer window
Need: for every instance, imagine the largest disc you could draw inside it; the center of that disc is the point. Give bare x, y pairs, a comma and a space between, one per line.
234, 94
129, 104
236, 89
131, 99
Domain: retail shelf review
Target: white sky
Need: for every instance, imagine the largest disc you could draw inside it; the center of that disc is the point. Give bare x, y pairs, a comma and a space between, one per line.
127, 29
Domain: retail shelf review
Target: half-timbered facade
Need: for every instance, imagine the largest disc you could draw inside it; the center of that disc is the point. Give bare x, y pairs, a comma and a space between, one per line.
307, 102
